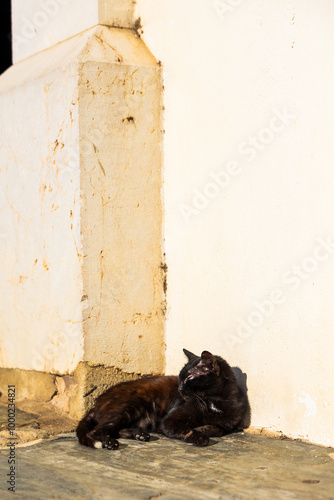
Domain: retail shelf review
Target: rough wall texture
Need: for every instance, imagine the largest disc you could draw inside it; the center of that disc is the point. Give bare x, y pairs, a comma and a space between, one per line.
29, 384
81, 215
121, 157
88, 382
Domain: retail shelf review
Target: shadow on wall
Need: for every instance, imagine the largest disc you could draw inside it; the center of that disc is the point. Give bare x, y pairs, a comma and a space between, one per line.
242, 383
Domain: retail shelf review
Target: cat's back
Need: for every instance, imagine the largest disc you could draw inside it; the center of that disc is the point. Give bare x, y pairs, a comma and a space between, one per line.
150, 388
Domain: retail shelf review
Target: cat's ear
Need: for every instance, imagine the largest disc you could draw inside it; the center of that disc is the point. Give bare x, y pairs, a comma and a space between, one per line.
207, 356
208, 359
190, 355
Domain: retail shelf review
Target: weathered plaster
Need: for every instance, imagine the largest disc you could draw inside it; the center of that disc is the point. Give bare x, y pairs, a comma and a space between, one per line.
80, 199
29, 384
41, 285
92, 380
73, 394
121, 212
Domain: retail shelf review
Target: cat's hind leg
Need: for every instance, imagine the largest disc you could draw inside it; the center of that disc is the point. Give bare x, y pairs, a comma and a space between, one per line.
84, 429
134, 433
102, 436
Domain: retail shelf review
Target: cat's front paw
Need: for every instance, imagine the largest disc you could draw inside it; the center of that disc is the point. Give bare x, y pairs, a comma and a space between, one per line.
142, 435
197, 438
111, 444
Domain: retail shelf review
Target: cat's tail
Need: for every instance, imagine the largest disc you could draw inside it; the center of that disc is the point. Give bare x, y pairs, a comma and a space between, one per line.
85, 426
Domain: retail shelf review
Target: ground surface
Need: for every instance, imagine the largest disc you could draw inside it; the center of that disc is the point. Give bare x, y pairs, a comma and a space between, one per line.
236, 466
34, 420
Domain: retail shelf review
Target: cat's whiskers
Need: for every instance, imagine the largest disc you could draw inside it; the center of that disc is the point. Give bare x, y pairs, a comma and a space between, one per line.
201, 404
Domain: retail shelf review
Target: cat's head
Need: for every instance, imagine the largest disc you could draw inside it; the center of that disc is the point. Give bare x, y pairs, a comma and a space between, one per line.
199, 374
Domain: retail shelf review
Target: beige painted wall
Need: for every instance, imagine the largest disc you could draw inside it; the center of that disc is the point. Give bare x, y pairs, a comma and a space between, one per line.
121, 142
249, 197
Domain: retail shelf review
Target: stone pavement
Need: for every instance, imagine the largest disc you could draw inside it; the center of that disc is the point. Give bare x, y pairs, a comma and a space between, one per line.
34, 420
238, 466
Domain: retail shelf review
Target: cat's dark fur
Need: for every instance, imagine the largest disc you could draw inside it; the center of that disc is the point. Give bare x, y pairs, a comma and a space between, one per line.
203, 401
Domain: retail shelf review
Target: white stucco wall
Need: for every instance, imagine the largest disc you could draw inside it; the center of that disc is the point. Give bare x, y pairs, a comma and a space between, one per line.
39, 24
41, 249
81, 208
249, 197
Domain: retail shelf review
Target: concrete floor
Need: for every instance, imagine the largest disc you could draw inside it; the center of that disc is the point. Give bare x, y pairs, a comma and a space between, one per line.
237, 466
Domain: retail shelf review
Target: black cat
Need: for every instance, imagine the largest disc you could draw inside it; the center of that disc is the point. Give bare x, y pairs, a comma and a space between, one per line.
203, 401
